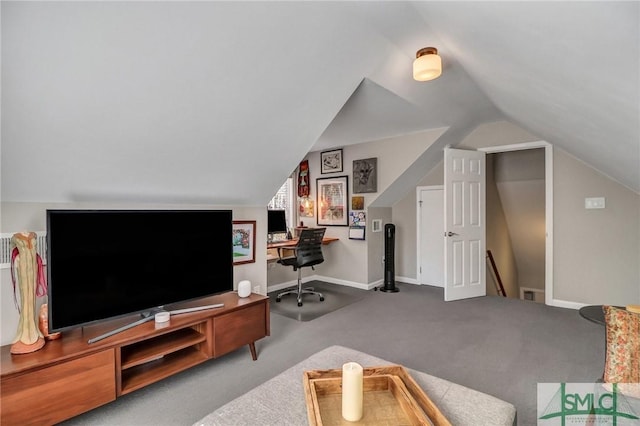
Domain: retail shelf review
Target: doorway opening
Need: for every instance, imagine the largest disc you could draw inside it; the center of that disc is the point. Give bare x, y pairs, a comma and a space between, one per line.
515, 214
536, 228
535, 224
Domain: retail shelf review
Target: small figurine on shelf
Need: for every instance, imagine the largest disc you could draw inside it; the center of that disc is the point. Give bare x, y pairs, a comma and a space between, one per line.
43, 324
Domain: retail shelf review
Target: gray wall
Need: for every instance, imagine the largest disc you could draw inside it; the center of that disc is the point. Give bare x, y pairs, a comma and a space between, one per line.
404, 212
596, 252
348, 261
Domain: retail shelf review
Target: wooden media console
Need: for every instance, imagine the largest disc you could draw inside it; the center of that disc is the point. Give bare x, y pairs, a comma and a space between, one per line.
69, 376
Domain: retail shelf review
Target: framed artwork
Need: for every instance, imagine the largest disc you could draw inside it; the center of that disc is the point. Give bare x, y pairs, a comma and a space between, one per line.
357, 225
244, 241
306, 207
331, 161
357, 203
303, 179
365, 175
332, 201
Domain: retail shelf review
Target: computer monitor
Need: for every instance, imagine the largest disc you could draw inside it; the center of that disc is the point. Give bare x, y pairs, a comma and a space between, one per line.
276, 222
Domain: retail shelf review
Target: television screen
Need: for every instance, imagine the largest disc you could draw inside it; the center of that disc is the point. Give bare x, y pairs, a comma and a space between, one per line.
107, 263
276, 221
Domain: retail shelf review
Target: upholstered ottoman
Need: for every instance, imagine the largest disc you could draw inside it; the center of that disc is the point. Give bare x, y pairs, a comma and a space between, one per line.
281, 401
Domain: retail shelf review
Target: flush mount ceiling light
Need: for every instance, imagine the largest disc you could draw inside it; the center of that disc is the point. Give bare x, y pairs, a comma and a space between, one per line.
427, 65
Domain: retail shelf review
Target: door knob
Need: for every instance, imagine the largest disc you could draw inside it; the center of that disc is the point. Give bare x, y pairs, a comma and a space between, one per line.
450, 234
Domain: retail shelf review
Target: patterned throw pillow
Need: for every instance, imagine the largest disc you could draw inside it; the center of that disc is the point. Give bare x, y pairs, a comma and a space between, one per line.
622, 358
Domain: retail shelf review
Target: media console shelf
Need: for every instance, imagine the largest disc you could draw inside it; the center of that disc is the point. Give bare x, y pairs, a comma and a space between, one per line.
69, 376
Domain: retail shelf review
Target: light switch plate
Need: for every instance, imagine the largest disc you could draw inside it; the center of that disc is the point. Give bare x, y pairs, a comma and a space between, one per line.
594, 203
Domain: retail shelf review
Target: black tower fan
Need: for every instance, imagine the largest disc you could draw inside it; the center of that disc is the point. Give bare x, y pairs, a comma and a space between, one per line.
389, 258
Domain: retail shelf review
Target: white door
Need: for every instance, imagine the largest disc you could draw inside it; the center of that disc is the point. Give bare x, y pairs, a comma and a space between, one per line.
431, 240
464, 224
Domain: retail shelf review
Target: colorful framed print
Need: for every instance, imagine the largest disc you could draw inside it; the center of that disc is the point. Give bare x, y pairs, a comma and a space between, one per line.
357, 225
331, 161
244, 241
306, 207
332, 201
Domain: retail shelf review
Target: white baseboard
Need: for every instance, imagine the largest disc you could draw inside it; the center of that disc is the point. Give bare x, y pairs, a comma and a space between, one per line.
407, 280
433, 285
566, 304
376, 283
361, 286
354, 284
282, 286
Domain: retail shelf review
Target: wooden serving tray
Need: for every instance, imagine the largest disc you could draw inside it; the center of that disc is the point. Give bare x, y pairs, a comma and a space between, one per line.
391, 396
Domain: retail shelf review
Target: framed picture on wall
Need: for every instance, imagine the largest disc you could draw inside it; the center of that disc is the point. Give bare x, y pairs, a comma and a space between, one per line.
357, 225
357, 203
306, 207
331, 161
331, 204
365, 175
244, 241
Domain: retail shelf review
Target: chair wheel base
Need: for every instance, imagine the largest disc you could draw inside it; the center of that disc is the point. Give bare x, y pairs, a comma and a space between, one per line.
322, 299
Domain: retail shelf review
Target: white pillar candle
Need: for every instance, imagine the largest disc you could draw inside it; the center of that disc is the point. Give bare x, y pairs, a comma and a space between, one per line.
352, 391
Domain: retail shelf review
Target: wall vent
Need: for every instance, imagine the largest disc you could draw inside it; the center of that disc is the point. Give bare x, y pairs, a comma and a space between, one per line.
5, 248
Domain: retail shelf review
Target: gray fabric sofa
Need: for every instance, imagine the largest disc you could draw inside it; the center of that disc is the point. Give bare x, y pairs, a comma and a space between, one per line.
280, 400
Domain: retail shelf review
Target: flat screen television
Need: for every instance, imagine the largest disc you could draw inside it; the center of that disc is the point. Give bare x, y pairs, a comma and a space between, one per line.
276, 221
103, 264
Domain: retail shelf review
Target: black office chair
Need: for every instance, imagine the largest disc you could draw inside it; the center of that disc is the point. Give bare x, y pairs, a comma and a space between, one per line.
308, 252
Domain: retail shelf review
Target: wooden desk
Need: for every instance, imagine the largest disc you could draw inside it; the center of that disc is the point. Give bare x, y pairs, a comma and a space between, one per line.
272, 254
293, 242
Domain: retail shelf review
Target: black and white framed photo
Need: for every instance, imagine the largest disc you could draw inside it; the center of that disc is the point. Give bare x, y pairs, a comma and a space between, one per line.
365, 175
331, 161
332, 199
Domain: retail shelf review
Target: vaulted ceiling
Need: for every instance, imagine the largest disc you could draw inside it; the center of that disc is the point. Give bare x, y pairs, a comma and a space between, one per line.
217, 102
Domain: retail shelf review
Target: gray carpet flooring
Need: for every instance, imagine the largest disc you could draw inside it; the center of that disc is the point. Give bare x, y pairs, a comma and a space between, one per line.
335, 297
499, 346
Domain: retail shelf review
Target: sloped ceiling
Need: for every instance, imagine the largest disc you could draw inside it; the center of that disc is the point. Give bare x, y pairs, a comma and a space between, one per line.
568, 72
217, 102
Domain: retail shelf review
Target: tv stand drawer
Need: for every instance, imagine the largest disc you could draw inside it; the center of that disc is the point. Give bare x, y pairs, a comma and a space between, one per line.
236, 329
59, 391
